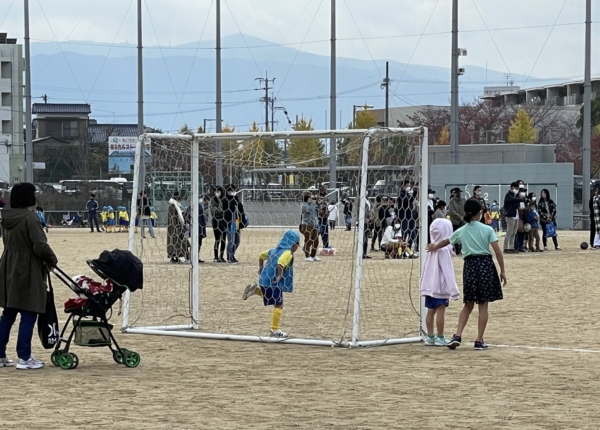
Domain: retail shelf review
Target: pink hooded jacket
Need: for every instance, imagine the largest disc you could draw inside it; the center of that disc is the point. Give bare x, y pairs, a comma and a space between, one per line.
437, 277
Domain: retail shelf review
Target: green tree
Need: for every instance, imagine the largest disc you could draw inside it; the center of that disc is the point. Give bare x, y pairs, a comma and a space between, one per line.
185, 130
522, 129
364, 119
306, 152
595, 115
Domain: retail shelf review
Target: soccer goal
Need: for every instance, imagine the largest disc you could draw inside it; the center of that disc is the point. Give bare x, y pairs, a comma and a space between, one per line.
340, 298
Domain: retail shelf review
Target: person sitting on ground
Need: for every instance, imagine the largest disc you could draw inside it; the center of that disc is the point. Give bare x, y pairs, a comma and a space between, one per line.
392, 242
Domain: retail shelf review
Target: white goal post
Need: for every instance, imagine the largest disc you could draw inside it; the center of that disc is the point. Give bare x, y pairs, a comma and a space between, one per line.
190, 299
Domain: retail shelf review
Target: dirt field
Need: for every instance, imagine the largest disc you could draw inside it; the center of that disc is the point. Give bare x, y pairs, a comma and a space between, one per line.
541, 372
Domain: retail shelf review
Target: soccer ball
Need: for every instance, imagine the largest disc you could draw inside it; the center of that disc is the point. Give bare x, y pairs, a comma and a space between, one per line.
527, 228
584, 245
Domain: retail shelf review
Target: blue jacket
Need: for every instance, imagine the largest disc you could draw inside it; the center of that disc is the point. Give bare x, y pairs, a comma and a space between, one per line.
269, 272
92, 207
532, 221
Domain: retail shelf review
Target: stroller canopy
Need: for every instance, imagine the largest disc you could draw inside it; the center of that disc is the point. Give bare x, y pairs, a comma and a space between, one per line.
122, 267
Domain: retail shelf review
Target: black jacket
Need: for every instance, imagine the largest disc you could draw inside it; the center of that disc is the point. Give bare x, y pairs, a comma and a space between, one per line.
511, 205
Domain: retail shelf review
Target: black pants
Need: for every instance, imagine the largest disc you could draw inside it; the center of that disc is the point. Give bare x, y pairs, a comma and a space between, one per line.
377, 236
220, 232
458, 246
94, 219
592, 229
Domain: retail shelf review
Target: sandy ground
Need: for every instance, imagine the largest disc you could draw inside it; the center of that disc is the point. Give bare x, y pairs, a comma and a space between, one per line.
537, 380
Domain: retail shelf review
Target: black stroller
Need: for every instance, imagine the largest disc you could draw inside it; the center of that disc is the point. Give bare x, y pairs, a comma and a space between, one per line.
120, 271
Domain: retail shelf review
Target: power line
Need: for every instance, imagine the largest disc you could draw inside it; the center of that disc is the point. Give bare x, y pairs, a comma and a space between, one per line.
243, 38
545, 42
7, 12
491, 36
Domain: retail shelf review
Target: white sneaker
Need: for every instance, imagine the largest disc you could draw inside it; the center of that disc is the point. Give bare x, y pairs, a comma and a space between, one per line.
415, 255
316, 259
309, 259
185, 262
249, 291
279, 334
6, 362
429, 341
441, 341
32, 363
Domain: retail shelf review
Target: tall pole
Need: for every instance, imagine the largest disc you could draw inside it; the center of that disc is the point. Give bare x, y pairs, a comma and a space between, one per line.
454, 87
272, 113
219, 146
28, 131
386, 84
266, 101
332, 102
140, 70
587, 114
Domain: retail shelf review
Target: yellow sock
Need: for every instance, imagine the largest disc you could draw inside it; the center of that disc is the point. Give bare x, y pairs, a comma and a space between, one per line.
275, 318
258, 292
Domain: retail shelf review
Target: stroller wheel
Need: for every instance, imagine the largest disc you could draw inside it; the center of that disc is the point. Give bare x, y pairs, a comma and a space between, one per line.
118, 357
55, 357
132, 359
75, 361
65, 361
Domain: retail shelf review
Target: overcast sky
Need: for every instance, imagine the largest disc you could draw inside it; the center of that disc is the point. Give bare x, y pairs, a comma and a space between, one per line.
522, 38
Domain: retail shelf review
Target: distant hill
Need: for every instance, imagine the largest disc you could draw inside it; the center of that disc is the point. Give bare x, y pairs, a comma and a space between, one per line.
179, 81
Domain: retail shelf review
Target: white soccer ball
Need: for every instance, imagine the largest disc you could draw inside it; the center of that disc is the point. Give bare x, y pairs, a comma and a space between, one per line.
527, 228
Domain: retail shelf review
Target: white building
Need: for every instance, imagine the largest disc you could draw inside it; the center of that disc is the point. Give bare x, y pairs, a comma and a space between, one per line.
12, 68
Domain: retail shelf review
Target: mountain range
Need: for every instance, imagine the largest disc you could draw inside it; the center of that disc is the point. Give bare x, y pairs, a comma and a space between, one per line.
179, 82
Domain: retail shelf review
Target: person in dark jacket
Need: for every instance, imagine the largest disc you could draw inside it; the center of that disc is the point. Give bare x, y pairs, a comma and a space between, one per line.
219, 225
323, 216
512, 204
547, 209
92, 209
406, 203
348, 214
143, 208
230, 214
2, 204
24, 266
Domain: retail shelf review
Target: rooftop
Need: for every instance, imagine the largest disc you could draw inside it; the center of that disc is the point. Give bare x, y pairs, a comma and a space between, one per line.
62, 108
4, 40
99, 133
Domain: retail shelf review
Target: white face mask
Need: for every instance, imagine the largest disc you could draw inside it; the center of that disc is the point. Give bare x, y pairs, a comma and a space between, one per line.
397, 226
516, 191
521, 186
410, 192
522, 194
430, 196
533, 199
230, 193
217, 194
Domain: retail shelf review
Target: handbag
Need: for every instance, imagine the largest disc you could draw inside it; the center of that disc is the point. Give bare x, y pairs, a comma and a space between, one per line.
550, 230
48, 322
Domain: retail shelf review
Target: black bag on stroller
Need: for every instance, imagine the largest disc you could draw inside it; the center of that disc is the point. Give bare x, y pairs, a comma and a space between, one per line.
48, 322
120, 271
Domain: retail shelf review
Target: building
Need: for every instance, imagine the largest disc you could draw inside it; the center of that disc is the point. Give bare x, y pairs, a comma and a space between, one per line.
492, 91
402, 114
68, 121
568, 94
12, 149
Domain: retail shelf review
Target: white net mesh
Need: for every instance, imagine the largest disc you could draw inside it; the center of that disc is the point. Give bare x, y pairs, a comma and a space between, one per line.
270, 179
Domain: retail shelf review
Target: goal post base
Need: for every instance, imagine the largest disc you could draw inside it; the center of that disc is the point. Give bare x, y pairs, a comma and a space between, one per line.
267, 339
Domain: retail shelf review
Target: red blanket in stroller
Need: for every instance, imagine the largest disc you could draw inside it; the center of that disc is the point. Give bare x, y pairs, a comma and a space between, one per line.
90, 285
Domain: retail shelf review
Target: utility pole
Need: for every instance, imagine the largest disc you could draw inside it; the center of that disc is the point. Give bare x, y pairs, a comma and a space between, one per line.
587, 115
266, 99
28, 124
333, 101
454, 87
272, 113
218, 145
386, 85
140, 70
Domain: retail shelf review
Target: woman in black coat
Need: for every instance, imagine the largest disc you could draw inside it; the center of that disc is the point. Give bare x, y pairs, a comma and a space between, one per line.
219, 225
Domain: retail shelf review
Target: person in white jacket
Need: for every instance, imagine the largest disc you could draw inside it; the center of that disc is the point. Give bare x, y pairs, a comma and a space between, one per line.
333, 215
392, 242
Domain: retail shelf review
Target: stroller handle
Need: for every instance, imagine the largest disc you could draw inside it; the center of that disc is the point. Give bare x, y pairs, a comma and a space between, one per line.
66, 279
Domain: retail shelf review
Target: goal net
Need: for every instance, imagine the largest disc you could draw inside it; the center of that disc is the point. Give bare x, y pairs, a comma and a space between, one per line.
217, 201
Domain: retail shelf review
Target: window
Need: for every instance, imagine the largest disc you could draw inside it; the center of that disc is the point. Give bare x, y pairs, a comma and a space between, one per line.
6, 127
70, 129
6, 101
5, 70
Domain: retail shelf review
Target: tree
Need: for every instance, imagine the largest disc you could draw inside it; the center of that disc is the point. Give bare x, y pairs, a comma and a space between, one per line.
522, 129
444, 138
307, 152
186, 130
595, 115
364, 119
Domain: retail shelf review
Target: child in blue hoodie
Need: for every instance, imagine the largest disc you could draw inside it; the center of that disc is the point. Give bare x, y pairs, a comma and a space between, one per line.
533, 218
276, 276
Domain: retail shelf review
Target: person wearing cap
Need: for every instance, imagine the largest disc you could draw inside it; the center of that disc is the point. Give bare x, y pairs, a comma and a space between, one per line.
456, 208
143, 207
92, 210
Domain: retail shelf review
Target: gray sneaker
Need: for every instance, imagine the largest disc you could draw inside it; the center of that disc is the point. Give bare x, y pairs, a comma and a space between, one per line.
249, 291
278, 334
6, 362
30, 364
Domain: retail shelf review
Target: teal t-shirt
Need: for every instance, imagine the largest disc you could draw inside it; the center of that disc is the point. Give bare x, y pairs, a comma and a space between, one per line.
475, 238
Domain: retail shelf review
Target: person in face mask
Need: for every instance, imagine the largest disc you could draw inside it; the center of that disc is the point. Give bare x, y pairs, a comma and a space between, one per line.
457, 212
218, 224
478, 195
520, 240
547, 211
512, 202
393, 243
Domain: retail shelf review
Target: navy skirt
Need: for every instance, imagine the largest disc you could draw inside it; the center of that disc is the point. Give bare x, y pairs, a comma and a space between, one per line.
481, 282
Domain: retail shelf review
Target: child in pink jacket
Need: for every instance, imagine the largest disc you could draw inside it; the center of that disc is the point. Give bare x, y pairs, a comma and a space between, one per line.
438, 283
